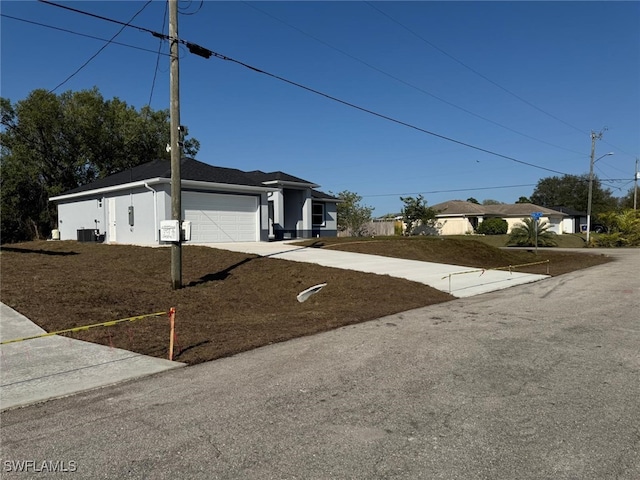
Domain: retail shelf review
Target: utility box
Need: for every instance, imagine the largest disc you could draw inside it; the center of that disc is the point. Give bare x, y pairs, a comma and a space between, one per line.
131, 216
186, 230
169, 231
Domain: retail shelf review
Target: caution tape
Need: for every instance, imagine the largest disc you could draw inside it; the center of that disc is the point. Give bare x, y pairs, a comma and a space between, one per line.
85, 327
482, 270
521, 265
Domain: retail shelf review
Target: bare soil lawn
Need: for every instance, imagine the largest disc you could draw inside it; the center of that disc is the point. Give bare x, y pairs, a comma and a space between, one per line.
231, 302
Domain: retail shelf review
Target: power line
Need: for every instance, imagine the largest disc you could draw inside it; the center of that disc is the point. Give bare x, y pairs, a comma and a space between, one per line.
100, 49
449, 191
380, 115
100, 17
155, 73
206, 53
460, 62
421, 90
78, 33
191, 13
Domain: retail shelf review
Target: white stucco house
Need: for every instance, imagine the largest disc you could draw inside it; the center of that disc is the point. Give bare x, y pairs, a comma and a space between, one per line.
457, 217
221, 205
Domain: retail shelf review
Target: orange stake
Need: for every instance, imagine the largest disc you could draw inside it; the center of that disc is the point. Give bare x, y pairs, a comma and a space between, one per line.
172, 322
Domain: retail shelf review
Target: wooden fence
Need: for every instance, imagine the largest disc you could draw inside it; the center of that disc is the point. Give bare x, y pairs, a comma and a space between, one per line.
376, 228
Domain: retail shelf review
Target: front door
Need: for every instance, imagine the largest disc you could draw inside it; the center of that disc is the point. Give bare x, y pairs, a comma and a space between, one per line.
111, 205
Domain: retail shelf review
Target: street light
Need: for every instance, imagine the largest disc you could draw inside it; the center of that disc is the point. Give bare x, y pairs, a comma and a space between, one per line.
591, 190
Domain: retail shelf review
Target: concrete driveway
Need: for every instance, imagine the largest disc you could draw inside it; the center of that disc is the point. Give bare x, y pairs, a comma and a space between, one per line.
454, 279
536, 382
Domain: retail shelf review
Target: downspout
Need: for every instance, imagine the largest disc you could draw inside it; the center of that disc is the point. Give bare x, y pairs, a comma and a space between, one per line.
155, 211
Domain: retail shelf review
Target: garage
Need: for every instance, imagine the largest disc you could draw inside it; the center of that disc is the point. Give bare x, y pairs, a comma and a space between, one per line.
220, 217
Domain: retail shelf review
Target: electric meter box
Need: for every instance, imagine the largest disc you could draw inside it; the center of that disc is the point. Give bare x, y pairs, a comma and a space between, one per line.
169, 231
186, 230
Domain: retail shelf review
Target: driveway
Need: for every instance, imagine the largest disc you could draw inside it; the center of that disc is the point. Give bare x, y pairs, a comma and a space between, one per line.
536, 382
457, 280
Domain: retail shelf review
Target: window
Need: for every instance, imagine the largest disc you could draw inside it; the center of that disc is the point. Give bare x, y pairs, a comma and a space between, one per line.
317, 214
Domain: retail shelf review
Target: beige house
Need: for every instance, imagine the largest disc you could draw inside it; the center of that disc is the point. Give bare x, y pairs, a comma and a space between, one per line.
457, 217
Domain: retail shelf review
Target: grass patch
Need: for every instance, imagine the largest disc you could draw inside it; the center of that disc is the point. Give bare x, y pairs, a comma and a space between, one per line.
231, 302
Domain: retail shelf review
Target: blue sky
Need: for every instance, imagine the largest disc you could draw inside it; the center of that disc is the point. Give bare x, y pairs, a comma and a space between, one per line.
526, 80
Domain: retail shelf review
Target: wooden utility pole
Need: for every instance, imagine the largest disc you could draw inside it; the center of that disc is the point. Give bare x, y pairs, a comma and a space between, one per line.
594, 137
176, 146
635, 187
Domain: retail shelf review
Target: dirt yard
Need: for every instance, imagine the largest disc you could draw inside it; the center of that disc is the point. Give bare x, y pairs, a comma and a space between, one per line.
231, 302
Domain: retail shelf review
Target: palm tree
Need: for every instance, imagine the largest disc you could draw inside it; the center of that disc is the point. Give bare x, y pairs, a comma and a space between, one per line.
524, 234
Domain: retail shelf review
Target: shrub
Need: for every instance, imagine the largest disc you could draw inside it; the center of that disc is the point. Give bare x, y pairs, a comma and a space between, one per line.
524, 234
493, 226
610, 240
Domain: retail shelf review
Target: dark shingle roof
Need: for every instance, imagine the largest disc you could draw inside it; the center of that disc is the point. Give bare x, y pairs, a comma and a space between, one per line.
318, 195
569, 211
190, 169
276, 176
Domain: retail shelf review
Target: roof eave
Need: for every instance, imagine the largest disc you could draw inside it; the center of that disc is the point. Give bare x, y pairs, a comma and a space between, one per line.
226, 186
287, 183
112, 188
154, 181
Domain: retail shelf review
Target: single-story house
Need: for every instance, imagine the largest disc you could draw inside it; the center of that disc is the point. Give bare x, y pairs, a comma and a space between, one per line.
457, 217
574, 222
219, 205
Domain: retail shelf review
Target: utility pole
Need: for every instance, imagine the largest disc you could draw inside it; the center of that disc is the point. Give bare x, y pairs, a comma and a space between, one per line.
635, 188
176, 146
594, 136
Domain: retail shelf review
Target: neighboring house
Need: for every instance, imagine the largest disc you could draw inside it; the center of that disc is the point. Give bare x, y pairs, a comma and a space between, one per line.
574, 222
457, 217
221, 204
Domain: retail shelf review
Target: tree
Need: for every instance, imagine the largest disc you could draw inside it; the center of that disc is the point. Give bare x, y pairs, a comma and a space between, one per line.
572, 191
353, 217
523, 200
623, 229
473, 200
489, 201
418, 217
627, 200
53, 143
524, 234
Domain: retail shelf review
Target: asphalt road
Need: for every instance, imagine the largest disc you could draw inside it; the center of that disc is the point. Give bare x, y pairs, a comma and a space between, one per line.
540, 381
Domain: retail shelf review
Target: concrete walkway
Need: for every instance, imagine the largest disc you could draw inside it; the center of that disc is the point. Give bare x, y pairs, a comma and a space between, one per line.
454, 279
43, 368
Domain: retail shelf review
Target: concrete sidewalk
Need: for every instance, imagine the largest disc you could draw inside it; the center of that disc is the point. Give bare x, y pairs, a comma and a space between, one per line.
454, 279
43, 368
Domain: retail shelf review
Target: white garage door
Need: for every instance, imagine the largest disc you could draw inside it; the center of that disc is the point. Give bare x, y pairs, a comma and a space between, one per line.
221, 218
